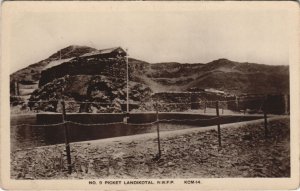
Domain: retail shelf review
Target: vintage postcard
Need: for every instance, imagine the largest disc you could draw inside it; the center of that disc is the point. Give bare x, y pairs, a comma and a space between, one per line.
126, 95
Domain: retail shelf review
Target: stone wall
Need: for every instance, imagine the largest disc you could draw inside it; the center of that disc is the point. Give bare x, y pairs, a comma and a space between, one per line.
96, 65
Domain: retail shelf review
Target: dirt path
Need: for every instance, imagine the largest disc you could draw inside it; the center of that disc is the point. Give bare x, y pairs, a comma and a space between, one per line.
185, 153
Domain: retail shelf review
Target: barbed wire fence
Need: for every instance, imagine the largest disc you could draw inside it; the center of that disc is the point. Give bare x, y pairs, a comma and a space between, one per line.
86, 106
159, 108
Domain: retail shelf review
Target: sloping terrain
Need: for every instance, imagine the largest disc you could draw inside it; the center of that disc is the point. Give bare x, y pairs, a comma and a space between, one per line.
33, 71
92, 88
231, 77
239, 78
222, 74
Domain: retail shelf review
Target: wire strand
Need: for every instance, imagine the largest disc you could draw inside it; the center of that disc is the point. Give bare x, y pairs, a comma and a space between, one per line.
120, 123
44, 125
153, 102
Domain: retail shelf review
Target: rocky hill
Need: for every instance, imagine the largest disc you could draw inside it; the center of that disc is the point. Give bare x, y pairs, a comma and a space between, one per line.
222, 74
232, 77
238, 78
33, 71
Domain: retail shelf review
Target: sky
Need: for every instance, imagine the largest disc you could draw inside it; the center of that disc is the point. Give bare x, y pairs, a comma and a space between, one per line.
257, 36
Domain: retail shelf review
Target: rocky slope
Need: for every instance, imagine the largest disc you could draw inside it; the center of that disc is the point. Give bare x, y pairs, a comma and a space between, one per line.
222, 74
33, 71
238, 77
108, 93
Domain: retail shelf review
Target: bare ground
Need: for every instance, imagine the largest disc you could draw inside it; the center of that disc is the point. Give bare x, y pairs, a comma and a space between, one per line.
187, 153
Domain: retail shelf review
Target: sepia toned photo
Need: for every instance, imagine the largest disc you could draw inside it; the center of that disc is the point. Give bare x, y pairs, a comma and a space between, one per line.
149, 95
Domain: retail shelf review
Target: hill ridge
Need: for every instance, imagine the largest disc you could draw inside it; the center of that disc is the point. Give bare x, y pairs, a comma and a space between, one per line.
222, 74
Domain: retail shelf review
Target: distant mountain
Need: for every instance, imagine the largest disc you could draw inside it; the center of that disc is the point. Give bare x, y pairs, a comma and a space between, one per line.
222, 74
239, 78
226, 75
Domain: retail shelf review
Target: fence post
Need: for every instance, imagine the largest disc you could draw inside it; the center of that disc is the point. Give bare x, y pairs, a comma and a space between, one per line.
266, 125
223, 108
158, 138
66, 137
286, 104
265, 120
218, 123
237, 103
16, 88
191, 100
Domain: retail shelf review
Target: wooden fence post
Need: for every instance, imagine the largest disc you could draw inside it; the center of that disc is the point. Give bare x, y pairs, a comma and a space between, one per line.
191, 101
18, 88
237, 103
218, 123
158, 138
17, 93
265, 118
266, 124
223, 108
66, 137
286, 104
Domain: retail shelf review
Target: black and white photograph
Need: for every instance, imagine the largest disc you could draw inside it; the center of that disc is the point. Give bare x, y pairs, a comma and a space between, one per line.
147, 94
